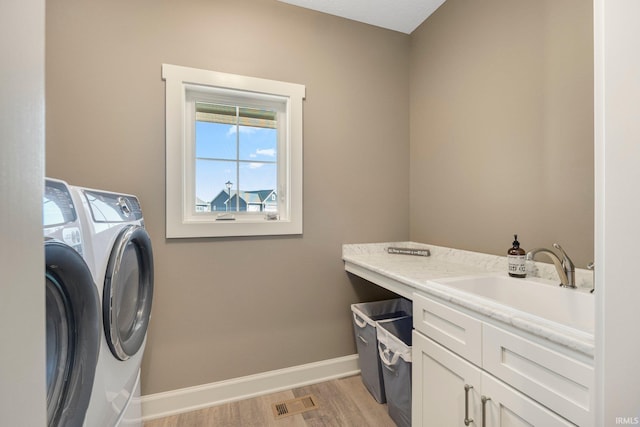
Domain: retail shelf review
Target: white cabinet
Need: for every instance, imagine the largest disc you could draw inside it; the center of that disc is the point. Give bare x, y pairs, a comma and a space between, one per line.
507, 407
438, 385
524, 383
447, 390
554, 378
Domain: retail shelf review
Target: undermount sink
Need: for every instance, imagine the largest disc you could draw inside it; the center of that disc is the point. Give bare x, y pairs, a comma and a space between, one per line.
570, 307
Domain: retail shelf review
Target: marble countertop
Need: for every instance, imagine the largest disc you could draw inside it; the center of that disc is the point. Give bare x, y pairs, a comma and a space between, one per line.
405, 274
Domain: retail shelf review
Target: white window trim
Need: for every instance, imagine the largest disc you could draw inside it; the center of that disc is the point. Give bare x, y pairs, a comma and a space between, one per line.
181, 222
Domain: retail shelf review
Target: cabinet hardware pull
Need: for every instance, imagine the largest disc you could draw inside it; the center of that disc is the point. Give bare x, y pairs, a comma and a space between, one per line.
484, 400
467, 420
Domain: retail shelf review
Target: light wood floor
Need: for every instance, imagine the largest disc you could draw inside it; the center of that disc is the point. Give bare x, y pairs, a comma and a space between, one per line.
343, 402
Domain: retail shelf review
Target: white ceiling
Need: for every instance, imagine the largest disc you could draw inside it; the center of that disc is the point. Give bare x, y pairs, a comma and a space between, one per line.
399, 15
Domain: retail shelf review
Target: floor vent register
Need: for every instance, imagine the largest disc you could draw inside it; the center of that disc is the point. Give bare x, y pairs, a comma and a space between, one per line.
294, 406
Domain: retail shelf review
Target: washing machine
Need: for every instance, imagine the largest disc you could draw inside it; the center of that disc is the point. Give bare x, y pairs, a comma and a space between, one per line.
120, 258
73, 311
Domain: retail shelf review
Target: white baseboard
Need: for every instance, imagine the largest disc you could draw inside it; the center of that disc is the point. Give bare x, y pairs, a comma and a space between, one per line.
192, 398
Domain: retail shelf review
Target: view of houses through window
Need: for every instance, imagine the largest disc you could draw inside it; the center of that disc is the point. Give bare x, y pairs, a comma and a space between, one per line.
242, 201
236, 159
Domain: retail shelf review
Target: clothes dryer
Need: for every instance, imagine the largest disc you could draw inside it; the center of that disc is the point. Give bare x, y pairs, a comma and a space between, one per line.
120, 258
72, 311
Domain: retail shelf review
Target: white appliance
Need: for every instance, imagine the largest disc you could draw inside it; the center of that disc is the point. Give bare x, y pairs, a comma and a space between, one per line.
119, 255
73, 311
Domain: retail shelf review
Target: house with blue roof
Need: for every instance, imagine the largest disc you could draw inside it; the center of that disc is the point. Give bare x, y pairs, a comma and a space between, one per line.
245, 201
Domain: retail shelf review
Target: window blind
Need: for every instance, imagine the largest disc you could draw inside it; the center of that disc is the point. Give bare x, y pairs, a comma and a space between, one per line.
225, 114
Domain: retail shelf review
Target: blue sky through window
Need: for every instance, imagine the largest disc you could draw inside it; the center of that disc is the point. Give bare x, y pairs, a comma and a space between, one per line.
250, 160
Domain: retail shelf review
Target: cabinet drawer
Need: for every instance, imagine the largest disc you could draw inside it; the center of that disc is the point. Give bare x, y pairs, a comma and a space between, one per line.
558, 381
458, 332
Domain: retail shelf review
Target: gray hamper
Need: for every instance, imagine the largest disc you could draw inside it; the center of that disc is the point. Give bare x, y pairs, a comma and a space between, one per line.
365, 316
394, 346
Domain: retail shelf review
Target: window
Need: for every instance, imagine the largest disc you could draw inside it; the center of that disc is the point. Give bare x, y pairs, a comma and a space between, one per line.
234, 154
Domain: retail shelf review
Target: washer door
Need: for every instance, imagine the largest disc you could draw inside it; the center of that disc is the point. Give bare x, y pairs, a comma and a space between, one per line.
73, 334
128, 291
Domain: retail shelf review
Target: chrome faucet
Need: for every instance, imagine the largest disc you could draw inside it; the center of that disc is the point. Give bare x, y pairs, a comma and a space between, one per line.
565, 267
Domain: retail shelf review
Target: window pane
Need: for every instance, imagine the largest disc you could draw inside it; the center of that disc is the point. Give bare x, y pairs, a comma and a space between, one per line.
258, 143
215, 140
258, 176
211, 178
258, 185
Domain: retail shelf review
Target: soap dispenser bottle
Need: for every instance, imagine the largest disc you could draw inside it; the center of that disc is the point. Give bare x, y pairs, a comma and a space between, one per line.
516, 259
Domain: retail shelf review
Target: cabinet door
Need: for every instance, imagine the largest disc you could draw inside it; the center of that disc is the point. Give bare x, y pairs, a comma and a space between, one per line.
510, 408
438, 386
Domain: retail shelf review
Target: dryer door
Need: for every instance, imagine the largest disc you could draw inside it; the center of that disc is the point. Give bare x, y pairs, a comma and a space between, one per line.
128, 291
73, 334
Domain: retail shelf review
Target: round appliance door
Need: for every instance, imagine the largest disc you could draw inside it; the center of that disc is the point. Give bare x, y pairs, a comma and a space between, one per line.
128, 292
72, 334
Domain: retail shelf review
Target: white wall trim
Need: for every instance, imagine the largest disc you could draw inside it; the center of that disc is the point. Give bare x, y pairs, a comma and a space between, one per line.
174, 402
617, 131
23, 393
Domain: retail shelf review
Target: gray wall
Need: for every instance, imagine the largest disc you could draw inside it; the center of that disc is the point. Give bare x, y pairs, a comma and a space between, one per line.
225, 308
496, 99
502, 126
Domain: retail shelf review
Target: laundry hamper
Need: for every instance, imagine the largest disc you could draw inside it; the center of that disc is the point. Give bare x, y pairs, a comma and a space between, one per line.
394, 347
365, 316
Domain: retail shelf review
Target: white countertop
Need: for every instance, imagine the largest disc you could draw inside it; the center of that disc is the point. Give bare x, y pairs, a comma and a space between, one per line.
405, 274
